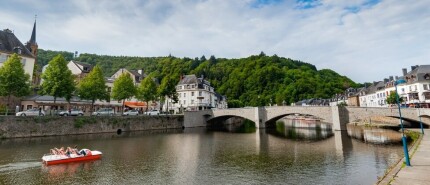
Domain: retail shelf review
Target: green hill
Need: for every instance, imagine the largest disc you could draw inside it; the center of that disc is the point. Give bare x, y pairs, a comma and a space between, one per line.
255, 80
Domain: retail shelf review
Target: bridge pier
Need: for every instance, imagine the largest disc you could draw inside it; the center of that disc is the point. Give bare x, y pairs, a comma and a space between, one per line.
340, 118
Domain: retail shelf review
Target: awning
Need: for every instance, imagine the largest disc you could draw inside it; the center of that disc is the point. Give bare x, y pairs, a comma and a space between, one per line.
135, 104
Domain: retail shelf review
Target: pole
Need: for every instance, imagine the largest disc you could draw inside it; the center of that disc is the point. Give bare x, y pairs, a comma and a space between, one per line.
421, 123
405, 144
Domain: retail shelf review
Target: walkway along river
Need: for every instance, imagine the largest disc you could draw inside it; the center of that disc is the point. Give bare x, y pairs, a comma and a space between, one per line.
202, 156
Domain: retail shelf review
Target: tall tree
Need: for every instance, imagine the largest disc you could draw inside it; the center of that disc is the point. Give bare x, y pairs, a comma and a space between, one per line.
58, 80
168, 89
123, 88
93, 87
13, 79
147, 91
392, 98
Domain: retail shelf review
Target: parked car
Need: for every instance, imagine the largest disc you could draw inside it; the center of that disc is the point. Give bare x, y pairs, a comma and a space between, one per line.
131, 113
72, 112
104, 112
152, 112
31, 112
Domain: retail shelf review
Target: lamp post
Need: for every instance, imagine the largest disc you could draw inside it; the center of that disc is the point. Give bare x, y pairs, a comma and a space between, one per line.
405, 144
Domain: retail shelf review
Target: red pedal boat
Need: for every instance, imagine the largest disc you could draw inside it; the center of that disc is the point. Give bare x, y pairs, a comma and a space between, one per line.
50, 159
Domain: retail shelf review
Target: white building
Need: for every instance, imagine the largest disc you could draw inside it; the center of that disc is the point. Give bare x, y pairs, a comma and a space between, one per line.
9, 45
416, 90
195, 94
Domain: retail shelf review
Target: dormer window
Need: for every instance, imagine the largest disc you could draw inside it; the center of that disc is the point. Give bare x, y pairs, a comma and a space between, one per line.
17, 50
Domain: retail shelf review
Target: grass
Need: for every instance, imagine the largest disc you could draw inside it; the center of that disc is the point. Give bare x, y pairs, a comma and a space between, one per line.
81, 121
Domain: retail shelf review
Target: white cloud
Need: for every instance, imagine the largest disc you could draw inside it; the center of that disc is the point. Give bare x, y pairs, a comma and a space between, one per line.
366, 43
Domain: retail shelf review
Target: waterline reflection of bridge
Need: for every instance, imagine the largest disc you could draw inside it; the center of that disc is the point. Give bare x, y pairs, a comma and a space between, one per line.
338, 116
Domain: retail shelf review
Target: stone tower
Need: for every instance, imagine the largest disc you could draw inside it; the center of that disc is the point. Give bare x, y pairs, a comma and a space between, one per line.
32, 46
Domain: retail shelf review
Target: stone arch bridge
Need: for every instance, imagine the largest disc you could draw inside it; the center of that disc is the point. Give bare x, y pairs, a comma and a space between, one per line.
338, 116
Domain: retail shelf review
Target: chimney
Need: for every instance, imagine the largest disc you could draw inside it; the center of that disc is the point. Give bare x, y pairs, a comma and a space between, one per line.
391, 78
413, 68
405, 71
386, 80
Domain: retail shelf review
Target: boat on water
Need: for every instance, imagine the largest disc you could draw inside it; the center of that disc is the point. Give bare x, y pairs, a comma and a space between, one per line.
50, 159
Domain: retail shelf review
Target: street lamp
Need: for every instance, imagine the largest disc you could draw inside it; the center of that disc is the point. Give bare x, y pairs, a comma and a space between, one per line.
405, 144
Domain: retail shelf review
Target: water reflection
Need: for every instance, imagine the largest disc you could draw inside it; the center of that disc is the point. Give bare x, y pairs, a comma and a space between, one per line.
300, 129
199, 156
374, 135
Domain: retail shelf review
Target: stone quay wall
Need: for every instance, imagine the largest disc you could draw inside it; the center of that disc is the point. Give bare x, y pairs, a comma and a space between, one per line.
15, 127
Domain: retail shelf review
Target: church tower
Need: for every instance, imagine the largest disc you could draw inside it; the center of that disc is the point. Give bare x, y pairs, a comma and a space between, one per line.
32, 46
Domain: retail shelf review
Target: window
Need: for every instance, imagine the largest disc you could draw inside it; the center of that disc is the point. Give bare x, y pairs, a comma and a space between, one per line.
403, 89
184, 102
192, 86
416, 88
200, 93
185, 94
192, 102
3, 58
192, 93
426, 87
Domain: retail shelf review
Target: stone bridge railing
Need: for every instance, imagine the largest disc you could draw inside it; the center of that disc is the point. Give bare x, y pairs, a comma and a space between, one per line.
338, 116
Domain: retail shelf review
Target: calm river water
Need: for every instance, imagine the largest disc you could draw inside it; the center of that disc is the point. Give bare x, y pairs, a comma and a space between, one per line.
201, 156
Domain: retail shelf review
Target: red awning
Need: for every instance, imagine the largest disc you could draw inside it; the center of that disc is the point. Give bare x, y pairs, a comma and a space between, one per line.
135, 104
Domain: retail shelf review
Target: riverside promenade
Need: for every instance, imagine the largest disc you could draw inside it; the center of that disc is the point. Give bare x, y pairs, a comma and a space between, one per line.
419, 172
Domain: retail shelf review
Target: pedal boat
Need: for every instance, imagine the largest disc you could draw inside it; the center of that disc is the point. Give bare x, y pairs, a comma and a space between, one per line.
50, 159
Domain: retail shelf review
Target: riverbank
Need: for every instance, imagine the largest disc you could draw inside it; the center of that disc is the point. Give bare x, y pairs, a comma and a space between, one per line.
16, 127
420, 165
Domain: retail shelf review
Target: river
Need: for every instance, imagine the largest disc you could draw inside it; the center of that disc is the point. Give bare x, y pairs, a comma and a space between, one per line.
201, 156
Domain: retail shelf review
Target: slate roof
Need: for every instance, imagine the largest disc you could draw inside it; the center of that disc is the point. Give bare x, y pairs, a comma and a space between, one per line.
9, 42
419, 73
192, 79
89, 67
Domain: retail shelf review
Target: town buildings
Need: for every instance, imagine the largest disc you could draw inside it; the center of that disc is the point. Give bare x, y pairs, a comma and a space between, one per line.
415, 92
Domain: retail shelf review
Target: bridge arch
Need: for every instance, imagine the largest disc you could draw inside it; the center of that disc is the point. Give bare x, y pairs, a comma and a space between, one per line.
272, 121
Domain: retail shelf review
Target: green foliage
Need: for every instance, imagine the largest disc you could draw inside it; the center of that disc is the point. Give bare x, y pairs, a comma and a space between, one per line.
392, 99
256, 80
234, 104
342, 104
44, 56
81, 121
58, 80
13, 79
123, 87
93, 86
147, 90
168, 88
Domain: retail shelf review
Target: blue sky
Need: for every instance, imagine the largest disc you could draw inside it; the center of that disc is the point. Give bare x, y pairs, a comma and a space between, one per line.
366, 40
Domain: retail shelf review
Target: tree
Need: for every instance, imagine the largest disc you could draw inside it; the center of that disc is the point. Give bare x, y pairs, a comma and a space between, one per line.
147, 91
58, 80
123, 88
168, 89
13, 79
93, 87
392, 99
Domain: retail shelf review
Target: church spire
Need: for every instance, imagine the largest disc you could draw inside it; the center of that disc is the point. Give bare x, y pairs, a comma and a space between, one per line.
33, 34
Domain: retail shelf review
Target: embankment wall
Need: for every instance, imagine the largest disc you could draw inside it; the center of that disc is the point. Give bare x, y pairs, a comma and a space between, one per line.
15, 127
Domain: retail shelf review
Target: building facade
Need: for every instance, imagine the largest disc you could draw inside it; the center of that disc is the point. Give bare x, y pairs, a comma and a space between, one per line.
195, 94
